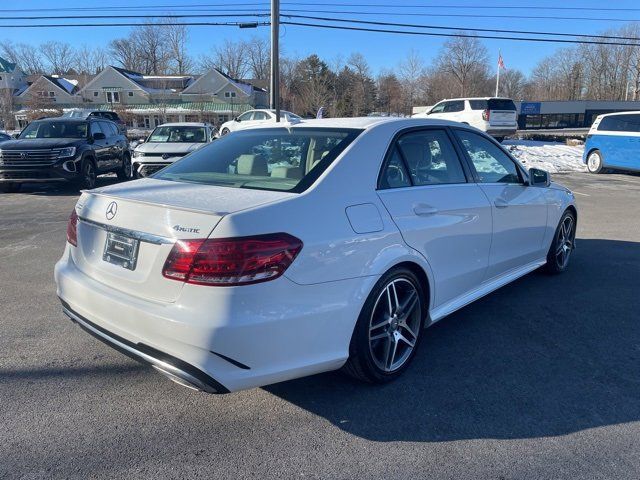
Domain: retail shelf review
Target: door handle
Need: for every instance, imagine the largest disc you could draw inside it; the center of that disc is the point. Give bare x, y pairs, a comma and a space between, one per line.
424, 210
500, 203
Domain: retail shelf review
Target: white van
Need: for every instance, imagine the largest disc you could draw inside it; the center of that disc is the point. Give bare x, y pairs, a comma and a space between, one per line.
496, 116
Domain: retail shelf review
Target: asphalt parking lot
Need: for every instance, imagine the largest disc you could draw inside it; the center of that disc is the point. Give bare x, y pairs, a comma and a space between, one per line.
540, 380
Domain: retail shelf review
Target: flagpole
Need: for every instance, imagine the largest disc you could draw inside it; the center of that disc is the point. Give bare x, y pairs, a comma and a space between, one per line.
498, 74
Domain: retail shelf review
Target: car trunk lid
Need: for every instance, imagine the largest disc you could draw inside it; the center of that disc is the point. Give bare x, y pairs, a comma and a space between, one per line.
126, 231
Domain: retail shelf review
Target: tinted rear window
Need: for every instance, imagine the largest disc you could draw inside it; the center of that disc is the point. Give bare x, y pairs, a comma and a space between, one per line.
493, 104
264, 159
621, 123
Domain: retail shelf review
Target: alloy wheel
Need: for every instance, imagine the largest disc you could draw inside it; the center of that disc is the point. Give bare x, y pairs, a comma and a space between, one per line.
594, 161
564, 245
89, 175
394, 325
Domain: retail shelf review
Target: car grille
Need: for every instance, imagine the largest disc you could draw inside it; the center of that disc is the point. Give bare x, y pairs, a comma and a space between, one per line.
29, 157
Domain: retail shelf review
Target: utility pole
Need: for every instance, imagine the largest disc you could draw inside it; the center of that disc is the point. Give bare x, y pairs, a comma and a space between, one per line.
274, 94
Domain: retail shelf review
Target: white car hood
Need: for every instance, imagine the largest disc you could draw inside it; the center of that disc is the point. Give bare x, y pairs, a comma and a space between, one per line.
166, 147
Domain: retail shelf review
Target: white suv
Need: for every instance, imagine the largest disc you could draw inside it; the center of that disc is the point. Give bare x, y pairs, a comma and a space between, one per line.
496, 116
169, 142
256, 118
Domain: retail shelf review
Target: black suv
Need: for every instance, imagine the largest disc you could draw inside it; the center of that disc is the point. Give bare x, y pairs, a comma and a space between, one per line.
64, 149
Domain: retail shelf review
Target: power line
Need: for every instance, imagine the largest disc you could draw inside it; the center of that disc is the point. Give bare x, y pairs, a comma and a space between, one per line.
297, 3
469, 29
186, 24
308, 17
463, 15
457, 35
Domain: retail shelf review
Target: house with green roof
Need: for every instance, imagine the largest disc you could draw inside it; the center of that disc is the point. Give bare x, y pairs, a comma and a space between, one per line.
11, 77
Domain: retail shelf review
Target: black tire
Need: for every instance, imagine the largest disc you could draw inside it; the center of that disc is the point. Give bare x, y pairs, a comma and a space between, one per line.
10, 187
224, 132
88, 175
364, 359
594, 162
562, 245
125, 172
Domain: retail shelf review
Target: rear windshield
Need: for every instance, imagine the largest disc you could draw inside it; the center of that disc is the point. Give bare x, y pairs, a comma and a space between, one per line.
493, 104
621, 123
55, 129
265, 159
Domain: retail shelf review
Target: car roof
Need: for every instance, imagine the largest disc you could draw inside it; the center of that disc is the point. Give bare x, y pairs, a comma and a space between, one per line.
65, 119
369, 122
184, 124
631, 112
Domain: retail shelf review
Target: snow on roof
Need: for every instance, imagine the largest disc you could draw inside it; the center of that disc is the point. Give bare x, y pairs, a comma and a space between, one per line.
65, 83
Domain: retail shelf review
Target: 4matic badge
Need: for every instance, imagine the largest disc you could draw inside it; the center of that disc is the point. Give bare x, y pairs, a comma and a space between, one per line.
180, 228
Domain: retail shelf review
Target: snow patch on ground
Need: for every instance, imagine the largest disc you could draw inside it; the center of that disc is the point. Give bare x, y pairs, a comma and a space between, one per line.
549, 156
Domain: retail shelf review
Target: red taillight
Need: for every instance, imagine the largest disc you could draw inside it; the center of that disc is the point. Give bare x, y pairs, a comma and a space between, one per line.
231, 261
72, 228
486, 114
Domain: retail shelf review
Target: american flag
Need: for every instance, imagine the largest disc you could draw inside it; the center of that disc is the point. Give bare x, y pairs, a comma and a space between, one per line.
501, 62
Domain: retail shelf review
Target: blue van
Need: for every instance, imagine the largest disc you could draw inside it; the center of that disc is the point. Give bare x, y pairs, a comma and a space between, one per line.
613, 142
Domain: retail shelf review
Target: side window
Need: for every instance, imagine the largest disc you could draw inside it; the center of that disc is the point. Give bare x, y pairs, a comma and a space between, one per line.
106, 128
259, 116
394, 174
245, 116
491, 163
431, 158
439, 108
95, 128
457, 106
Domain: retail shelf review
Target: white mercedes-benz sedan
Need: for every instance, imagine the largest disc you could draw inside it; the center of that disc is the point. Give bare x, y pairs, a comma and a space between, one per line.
280, 252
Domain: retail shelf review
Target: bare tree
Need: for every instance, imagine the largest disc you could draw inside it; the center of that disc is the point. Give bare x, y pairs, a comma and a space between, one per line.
177, 36
152, 48
60, 56
26, 56
411, 71
259, 60
466, 59
512, 84
125, 53
91, 60
230, 58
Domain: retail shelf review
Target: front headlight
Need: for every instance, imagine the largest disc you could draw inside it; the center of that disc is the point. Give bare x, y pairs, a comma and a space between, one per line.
67, 152
137, 154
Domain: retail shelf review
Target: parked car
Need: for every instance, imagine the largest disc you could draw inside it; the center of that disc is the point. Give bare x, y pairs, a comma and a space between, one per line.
86, 113
167, 143
613, 142
240, 266
64, 149
495, 116
4, 137
256, 118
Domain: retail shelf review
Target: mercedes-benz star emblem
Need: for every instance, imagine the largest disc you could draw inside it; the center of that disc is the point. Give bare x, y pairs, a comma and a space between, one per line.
112, 209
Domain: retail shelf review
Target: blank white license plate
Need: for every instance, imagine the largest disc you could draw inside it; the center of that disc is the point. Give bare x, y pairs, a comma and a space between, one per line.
121, 250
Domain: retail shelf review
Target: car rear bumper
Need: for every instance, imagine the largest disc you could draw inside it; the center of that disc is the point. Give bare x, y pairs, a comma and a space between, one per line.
172, 367
236, 337
499, 131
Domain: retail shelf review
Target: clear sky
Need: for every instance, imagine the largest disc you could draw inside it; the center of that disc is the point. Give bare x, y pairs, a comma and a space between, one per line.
381, 50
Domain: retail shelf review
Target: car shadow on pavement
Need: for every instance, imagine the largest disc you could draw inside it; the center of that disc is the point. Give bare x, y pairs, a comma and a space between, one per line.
547, 355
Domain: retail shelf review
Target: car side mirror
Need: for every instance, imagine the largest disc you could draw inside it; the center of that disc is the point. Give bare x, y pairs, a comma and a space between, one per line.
237, 119
539, 178
16, 135
99, 136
